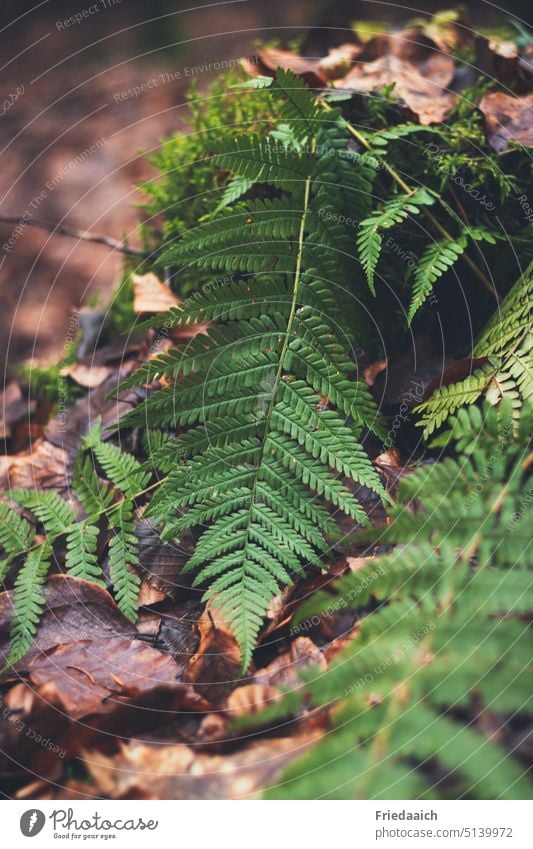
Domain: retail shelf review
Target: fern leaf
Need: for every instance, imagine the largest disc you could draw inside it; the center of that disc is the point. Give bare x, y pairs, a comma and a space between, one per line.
28, 601
123, 557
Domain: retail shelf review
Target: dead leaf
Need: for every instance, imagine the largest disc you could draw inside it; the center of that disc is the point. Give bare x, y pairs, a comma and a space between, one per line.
43, 466
150, 295
75, 610
267, 62
215, 669
284, 670
340, 60
420, 71
90, 676
87, 376
507, 119
13, 406
251, 699
177, 772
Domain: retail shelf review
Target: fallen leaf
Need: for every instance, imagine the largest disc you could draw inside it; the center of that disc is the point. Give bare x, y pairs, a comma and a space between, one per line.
284, 670
13, 406
507, 119
150, 295
177, 772
87, 376
43, 466
420, 71
91, 675
75, 610
251, 699
340, 60
215, 669
267, 62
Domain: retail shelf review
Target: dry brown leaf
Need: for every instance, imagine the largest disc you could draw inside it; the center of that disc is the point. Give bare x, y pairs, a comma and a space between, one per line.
285, 669
269, 60
251, 699
87, 376
44, 466
13, 406
507, 118
150, 295
90, 676
75, 610
339, 60
142, 771
420, 71
215, 669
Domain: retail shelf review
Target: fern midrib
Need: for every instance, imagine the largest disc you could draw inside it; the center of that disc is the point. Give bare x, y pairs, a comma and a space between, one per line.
279, 370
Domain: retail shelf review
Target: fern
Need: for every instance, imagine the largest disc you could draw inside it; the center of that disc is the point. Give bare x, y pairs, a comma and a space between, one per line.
506, 342
258, 451
123, 557
394, 211
446, 641
107, 507
28, 601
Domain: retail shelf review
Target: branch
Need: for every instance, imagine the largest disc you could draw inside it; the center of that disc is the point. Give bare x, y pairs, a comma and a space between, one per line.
83, 235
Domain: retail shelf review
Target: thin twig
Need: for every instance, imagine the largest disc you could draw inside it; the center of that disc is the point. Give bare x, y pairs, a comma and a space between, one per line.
70, 232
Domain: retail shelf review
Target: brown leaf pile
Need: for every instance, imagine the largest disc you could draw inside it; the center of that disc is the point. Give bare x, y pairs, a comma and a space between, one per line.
426, 78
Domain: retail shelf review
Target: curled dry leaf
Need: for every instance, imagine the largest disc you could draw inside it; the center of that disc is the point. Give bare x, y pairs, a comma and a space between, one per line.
13, 406
177, 772
284, 670
215, 669
43, 466
507, 119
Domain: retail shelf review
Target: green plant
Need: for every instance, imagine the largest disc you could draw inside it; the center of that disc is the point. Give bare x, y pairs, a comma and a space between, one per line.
506, 346
421, 698
258, 449
110, 502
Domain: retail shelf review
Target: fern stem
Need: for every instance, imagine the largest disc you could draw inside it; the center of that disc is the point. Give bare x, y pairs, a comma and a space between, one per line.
398, 179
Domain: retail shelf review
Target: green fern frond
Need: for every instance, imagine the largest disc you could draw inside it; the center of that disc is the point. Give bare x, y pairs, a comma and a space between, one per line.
395, 211
49, 508
123, 558
508, 374
120, 467
445, 637
436, 259
28, 601
80, 559
259, 449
